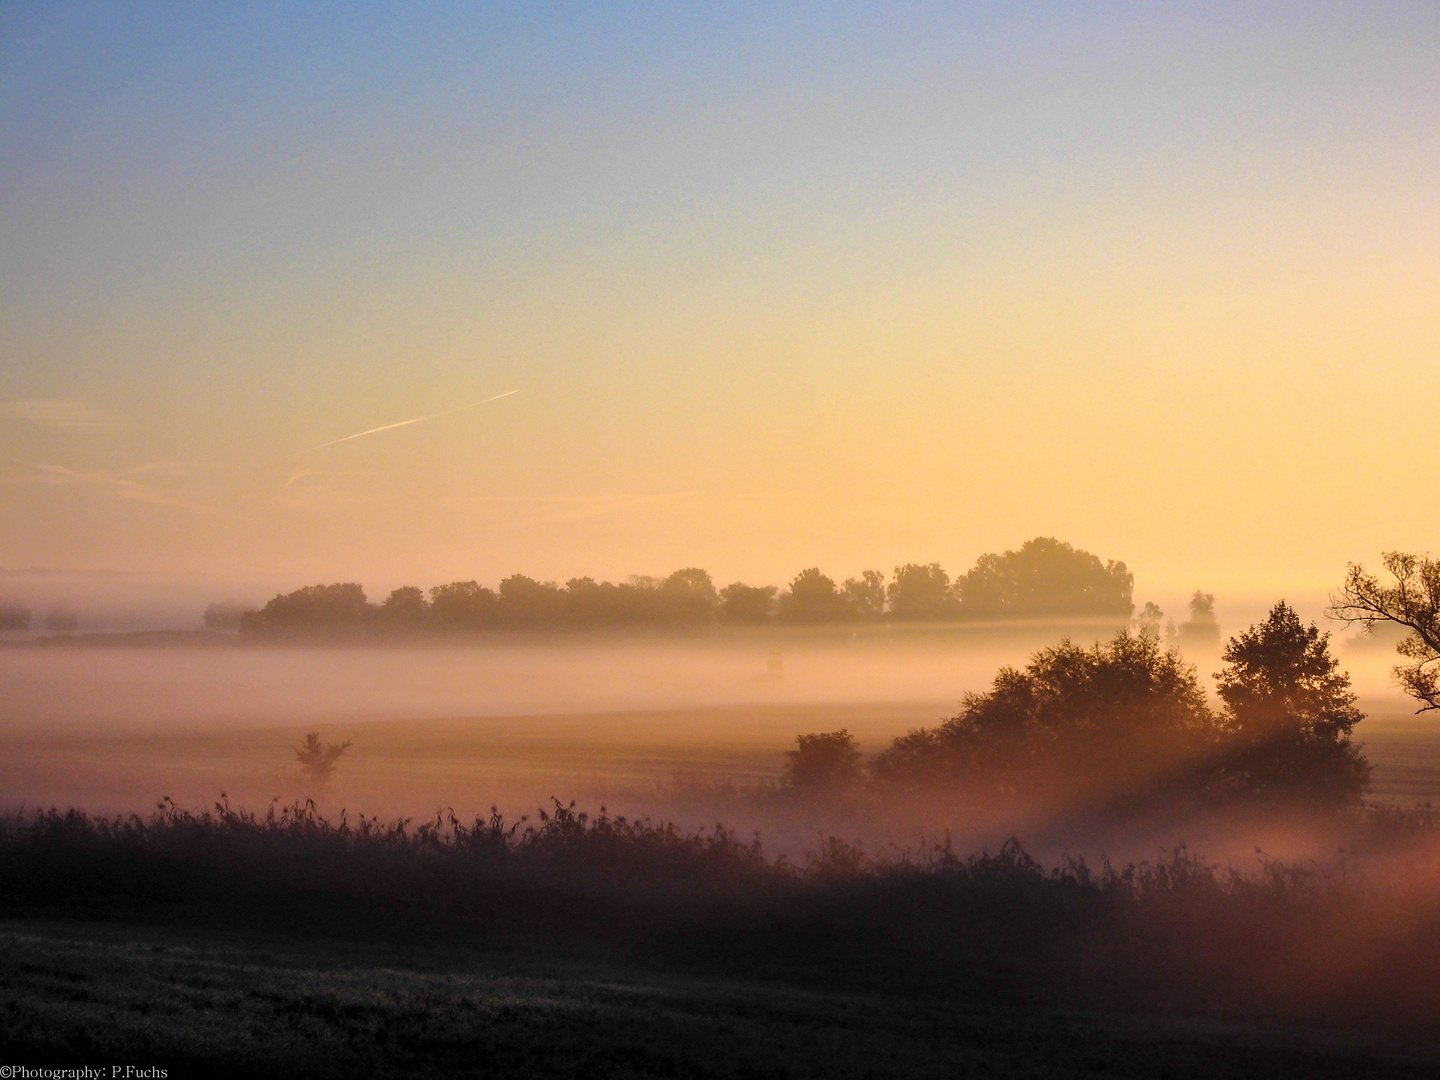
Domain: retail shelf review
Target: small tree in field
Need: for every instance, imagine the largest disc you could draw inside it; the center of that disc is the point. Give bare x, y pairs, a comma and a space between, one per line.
824, 764
317, 759
1289, 712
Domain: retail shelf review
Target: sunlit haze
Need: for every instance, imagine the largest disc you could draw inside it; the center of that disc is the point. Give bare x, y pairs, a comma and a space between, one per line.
777, 287
719, 539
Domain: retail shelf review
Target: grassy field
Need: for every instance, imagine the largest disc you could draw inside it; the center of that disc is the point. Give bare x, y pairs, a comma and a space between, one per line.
224, 1004
288, 945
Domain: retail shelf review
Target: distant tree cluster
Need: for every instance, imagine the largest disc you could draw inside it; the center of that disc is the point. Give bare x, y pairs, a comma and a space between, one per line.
1127, 720
14, 615
1046, 578
226, 614
1199, 632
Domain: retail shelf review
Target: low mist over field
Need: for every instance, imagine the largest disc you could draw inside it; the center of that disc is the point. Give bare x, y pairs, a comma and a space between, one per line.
718, 541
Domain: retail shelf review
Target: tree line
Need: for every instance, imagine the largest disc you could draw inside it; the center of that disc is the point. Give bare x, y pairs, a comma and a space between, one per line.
1124, 722
1045, 578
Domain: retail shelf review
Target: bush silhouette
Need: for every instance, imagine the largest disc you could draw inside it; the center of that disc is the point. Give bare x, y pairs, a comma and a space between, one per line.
826, 764
318, 760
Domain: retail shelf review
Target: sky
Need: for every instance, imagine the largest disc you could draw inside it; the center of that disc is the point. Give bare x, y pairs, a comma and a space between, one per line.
766, 286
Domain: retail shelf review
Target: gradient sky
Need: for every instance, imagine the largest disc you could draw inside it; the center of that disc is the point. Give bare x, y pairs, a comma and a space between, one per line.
778, 285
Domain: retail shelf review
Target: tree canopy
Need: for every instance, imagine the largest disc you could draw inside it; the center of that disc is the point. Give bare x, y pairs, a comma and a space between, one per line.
1289, 713
1045, 578
825, 764
1072, 717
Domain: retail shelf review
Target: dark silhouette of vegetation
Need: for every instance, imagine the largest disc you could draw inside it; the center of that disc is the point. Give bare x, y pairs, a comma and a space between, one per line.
1045, 579
404, 610
1412, 603
747, 605
865, 596
1072, 720
813, 598
329, 608
1288, 716
1148, 622
1178, 932
14, 615
922, 592
225, 614
318, 760
462, 605
1200, 631
827, 765
1129, 720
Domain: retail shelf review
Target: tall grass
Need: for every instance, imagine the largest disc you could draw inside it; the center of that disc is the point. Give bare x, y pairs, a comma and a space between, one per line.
1179, 932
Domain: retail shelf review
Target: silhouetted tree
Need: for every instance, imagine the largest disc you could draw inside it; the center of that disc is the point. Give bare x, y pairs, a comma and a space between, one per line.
813, 598
601, 603
1148, 621
14, 615
687, 596
1045, 578
1289, 713
317, 759
1200, 630
865, 595
921, 592
823, 765
1071, 718
226, 614
462, 605
1413, 602
747, 605
525, 603
403, 611
315, 608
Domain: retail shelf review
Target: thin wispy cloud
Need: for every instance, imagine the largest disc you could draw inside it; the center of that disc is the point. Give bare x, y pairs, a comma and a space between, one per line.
65, 413
413, 420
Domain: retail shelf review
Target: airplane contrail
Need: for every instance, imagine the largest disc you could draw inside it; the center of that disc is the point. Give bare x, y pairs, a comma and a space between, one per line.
414, 420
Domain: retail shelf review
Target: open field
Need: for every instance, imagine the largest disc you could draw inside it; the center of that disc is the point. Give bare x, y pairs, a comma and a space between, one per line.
416, 766
219, 1004
113, 729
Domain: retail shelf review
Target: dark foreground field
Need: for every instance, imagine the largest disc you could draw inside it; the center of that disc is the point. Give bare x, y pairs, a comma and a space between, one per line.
231, 1004
222, 943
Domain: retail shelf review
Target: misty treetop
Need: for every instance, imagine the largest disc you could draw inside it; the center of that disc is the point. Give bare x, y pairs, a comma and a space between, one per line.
1046, 578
